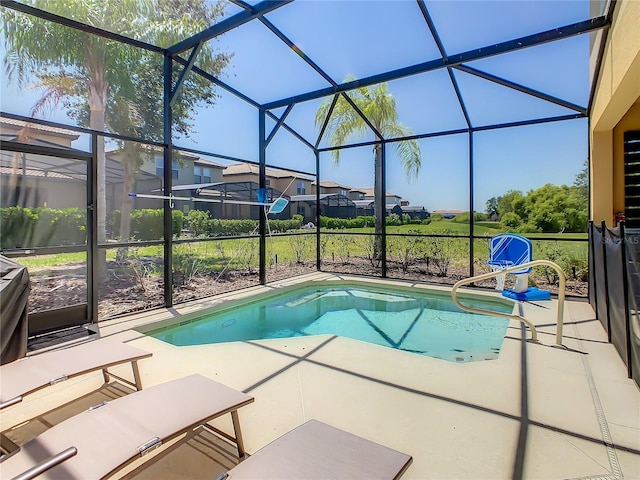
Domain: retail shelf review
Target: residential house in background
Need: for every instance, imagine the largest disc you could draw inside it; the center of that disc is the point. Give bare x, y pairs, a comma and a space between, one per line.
416, 212
39, 180
336, 200
393, 203
191, 175
61, 183
448, 214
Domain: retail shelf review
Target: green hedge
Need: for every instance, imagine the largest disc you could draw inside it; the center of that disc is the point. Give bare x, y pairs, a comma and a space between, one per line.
340, 223
41, 227
200, 224
363, 221
147, 223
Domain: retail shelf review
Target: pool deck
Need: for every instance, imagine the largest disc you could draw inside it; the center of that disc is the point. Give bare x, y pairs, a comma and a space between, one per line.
538, 412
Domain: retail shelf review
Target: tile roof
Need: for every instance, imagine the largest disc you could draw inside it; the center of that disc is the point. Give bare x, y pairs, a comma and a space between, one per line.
10, 122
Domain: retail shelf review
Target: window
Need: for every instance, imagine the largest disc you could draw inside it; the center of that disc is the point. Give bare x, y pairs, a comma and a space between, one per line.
301, 210
301, 188
343, 192
632, 178
201, 175
175, 168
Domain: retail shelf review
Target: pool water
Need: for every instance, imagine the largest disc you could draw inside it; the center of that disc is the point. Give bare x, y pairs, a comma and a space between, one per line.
406, 319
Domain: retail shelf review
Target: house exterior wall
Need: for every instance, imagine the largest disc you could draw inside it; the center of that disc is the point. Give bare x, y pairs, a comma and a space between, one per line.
186, 169
38, 191
53, 193
615, 109
284, 184
38, 132
241, 177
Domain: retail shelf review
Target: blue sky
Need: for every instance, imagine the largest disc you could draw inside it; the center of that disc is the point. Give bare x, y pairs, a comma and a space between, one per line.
361, 38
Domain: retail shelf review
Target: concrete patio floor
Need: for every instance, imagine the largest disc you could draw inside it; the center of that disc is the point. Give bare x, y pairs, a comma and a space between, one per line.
537, 412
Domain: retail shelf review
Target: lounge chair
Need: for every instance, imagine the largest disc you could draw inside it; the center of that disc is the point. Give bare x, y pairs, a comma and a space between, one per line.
317, 451
105, 438
32, 373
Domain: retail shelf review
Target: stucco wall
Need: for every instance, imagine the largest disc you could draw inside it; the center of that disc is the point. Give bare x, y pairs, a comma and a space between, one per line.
614, 110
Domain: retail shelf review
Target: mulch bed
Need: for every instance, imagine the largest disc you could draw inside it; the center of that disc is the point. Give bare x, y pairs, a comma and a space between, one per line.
127, 293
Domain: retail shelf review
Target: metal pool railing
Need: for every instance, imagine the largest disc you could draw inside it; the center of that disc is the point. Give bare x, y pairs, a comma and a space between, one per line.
534, 333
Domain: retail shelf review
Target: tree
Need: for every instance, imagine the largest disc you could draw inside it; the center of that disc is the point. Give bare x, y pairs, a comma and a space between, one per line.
511, 221
581, 184
549, 209
509, 202
379, 107
491, 207
96, 79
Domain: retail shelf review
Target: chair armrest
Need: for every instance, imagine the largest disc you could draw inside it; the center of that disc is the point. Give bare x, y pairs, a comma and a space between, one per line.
47, 464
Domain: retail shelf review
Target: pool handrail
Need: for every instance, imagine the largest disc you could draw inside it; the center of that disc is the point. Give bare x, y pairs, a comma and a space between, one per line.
484, 276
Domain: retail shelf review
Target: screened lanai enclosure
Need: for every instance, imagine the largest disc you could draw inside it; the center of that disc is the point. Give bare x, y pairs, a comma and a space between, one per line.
144, 141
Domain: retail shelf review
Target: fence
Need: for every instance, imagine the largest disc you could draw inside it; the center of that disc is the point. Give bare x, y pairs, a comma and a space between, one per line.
614, 289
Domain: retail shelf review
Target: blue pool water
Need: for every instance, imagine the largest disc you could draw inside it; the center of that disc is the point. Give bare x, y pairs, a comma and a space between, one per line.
415, 321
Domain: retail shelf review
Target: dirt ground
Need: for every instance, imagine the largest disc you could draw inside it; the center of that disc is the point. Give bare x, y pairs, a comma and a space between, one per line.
127, 293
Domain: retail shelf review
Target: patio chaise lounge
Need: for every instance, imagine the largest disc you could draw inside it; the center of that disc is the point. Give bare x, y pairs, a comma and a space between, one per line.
317, 451
27, 375
110, 435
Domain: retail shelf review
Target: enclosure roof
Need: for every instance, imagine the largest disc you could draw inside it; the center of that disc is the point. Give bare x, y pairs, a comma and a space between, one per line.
312, 198
248, 168
413, 208
24, 128
193, 186
245, 190
462, 62
208, 163
62, 168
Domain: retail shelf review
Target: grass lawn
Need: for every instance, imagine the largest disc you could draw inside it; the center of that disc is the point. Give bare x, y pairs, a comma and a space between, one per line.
215, 254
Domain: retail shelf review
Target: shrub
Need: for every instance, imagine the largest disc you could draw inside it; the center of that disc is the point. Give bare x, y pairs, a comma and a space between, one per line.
393, 220
70, 227
197, 221
177, 220
406, 249
41, 226
552, 251
340, 223
510, 221
527, 228
147, 224
218, 227
113, 224
302, 246
441, 251
340, 247
286, 225
186, 262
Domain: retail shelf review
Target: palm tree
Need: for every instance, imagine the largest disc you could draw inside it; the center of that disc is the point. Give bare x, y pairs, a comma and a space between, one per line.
379, 107
92, 76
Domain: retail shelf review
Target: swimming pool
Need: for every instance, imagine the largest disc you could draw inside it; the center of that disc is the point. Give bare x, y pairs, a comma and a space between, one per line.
410, 319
